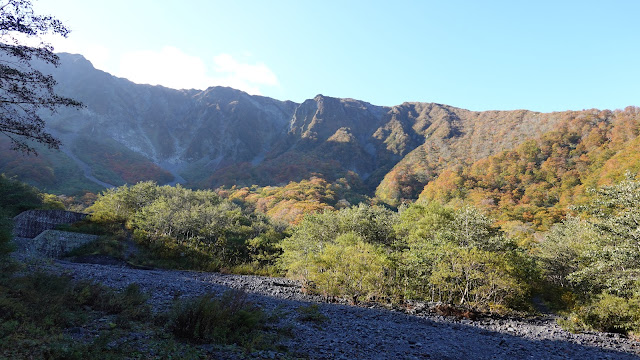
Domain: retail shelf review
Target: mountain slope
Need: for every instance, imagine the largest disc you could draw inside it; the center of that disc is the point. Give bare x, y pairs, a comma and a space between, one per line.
220, 136
535, 182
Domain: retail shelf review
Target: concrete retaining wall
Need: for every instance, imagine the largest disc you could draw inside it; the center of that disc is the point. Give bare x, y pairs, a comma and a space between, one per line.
52, 243
31, 223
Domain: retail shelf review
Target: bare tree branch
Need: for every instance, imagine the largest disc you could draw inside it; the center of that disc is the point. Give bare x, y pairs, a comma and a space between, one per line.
23, 89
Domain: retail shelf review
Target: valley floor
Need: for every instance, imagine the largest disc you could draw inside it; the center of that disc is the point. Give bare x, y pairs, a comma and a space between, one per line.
366, 333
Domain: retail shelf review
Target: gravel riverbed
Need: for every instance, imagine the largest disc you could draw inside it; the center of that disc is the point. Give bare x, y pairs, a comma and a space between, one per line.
367, 333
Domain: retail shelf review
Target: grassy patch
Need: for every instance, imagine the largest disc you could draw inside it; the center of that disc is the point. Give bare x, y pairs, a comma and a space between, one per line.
37, 310
227, 319
87, 226
44, 316
111, 240
168, 254
104, 245
311, 313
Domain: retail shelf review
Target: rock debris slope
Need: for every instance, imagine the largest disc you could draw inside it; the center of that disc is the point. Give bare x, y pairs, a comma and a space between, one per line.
370, 333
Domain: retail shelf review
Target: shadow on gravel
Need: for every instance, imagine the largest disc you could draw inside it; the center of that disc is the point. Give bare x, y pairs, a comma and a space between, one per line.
368, 333
381, 334
105, 260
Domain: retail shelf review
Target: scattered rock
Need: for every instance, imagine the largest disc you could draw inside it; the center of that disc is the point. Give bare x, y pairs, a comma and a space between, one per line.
350, 331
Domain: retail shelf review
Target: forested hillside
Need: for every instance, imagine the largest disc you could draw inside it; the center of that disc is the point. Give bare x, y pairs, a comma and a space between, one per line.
537, 181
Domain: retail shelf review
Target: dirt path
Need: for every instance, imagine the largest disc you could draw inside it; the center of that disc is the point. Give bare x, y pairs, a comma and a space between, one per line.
369, 333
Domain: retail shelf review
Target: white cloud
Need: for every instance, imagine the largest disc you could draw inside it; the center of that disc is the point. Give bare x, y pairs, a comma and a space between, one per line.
259, 73
173, 68
169, 67
97, 54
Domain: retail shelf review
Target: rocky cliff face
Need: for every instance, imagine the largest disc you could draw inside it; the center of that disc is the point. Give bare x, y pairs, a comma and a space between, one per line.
225, 136
167, 125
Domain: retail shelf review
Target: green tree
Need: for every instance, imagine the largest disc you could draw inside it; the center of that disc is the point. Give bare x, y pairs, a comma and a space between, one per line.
6, 227
421, 221
468, 275
596, 255
606, 254
15, 197
459, 256
373, 223
120, 204
564, 248
471, 228
350, 267
24, 90
343, 253
178, 223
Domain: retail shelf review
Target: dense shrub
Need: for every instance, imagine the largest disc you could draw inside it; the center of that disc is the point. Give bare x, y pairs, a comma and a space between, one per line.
606, 312
349, 267
459, 257
228, 319
426, 252
595, 255
193, 229
342, 253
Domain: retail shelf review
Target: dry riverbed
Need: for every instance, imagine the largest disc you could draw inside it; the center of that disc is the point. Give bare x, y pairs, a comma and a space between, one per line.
366, 333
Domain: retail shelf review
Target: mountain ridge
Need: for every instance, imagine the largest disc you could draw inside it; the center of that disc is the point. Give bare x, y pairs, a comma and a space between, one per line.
223, 136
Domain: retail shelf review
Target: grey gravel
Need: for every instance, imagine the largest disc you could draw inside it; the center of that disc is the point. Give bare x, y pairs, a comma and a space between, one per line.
367, 332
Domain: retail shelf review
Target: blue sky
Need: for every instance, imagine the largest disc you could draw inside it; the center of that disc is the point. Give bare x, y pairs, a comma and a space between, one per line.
489, 55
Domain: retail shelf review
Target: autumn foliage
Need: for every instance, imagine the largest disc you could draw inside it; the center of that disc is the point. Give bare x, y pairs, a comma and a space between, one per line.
535, 182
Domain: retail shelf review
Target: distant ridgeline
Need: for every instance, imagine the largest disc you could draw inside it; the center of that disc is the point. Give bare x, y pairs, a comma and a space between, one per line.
220, 136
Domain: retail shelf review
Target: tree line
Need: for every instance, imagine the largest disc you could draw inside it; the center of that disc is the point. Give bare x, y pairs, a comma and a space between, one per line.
457, 255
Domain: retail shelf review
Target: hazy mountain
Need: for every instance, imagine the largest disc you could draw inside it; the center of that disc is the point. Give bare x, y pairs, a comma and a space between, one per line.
129, 132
